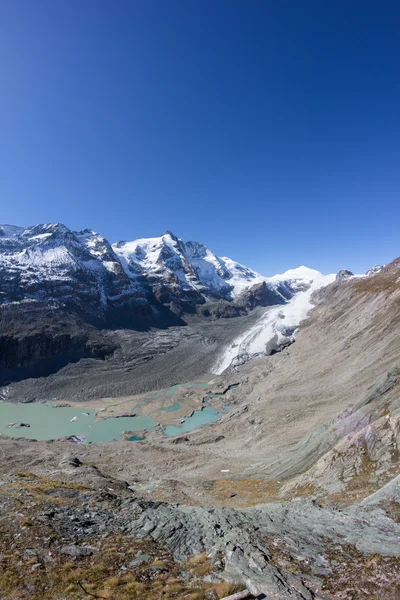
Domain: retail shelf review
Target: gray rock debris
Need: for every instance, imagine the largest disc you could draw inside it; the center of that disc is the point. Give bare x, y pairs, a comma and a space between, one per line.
69, 460
390, 491
245, 538
139, 560
76, 551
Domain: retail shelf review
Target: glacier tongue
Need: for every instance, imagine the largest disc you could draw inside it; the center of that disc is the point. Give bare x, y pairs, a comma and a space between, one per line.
278, 325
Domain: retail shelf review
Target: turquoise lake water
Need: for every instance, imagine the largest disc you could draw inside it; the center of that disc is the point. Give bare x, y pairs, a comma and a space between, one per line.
208, 414
48, 422
200, 417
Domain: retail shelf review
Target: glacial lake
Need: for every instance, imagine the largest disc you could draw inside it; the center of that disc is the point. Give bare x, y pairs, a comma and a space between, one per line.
208, 414
48, 422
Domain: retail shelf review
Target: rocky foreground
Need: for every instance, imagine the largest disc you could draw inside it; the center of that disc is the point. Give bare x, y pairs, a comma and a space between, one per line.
82, 534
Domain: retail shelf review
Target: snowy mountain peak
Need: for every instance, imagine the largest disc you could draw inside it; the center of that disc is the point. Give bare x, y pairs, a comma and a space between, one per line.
46, 228
299, 273
194, 265
374, 270
194, 268
51, 263
196, 250
171, 235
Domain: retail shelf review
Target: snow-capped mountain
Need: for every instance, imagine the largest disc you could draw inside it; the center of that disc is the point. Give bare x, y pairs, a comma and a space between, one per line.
51, 264
190, 267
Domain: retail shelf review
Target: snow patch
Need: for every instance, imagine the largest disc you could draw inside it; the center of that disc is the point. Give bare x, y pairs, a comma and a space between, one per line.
302, 272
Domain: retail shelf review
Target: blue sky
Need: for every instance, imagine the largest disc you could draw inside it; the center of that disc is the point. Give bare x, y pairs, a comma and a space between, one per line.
268, 129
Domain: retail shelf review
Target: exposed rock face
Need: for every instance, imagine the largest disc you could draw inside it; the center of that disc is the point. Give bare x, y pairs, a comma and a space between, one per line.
374, 270
296, 550
261, 294
279, 343
83, 272
41, 353
221, 310
185, 274
344, 274
36, 340
70, 461
50, 263
76, 551
347, 356
363, 441
244, 538
315, 422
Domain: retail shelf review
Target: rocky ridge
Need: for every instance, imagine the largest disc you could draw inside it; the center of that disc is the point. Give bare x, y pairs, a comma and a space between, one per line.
82, 271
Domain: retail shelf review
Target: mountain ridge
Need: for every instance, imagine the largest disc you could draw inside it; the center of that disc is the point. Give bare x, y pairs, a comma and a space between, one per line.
52, 262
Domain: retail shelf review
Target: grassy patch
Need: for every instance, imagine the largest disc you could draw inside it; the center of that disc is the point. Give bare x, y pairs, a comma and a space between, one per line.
244, 492
39, 487
382, 282
101, 576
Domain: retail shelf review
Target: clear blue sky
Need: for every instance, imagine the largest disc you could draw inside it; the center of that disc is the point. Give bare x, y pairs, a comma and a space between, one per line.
268, 129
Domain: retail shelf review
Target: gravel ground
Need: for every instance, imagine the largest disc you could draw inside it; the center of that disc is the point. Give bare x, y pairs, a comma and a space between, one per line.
143, 362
